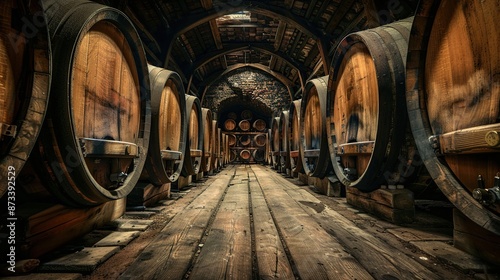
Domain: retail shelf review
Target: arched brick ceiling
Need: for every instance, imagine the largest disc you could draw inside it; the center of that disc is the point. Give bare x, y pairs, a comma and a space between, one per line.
291, 40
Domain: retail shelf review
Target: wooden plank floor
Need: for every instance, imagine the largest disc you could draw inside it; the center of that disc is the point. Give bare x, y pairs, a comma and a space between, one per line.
252, 223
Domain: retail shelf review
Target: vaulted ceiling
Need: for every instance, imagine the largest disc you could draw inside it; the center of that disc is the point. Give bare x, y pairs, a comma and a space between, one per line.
291, 40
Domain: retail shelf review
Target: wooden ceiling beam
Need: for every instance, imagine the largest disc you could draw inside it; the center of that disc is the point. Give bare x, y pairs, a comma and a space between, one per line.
207, 4
279, 35
190, 21
339, 15
229, 48
216, 34
310, 9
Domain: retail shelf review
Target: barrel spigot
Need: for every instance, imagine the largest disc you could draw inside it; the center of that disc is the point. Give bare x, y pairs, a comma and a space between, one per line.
487, 196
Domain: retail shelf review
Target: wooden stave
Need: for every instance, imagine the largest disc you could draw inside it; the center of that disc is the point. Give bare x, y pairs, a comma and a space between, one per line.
192, 164
322, 163
29, 118
77, 188
275, 143
284, 137
294, 137
422, 128
388, 143
207, 139
155, 166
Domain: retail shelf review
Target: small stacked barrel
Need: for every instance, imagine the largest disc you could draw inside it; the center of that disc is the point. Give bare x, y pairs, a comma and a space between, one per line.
246, 135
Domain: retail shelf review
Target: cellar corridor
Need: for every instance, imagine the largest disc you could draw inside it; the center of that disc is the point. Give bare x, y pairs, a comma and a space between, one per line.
249, 222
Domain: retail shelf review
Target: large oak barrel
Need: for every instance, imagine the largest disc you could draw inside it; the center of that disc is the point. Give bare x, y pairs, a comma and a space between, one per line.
370, 142
269, 157
245, 155
244, 125
232, 115
25, 76
313, 138
284, 138
259, 125
167, 145
275, 143
229, 124
225, 151
194, 147
453, 97
260, 140
231, 140
214, 165
259, 155
294, 137
245, 140
95, 138
206, 160
246, 114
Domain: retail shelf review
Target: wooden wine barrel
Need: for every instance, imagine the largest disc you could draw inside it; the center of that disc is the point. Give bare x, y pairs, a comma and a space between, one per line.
245, 155
284, 138
25, 77
294, 137
275, 143
96, 134
453, 97
167, 145
214, 165
259, 155
269, 158
225, 152
194, 147
245, 140
259, 125
260, 140
206, 160
246, 115
370, 144
244, 125
221, 148
233, 155
314, 142
231, 139
232, 115
229, 125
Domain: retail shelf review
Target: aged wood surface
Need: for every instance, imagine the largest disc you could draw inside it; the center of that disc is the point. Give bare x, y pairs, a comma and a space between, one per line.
252, 223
